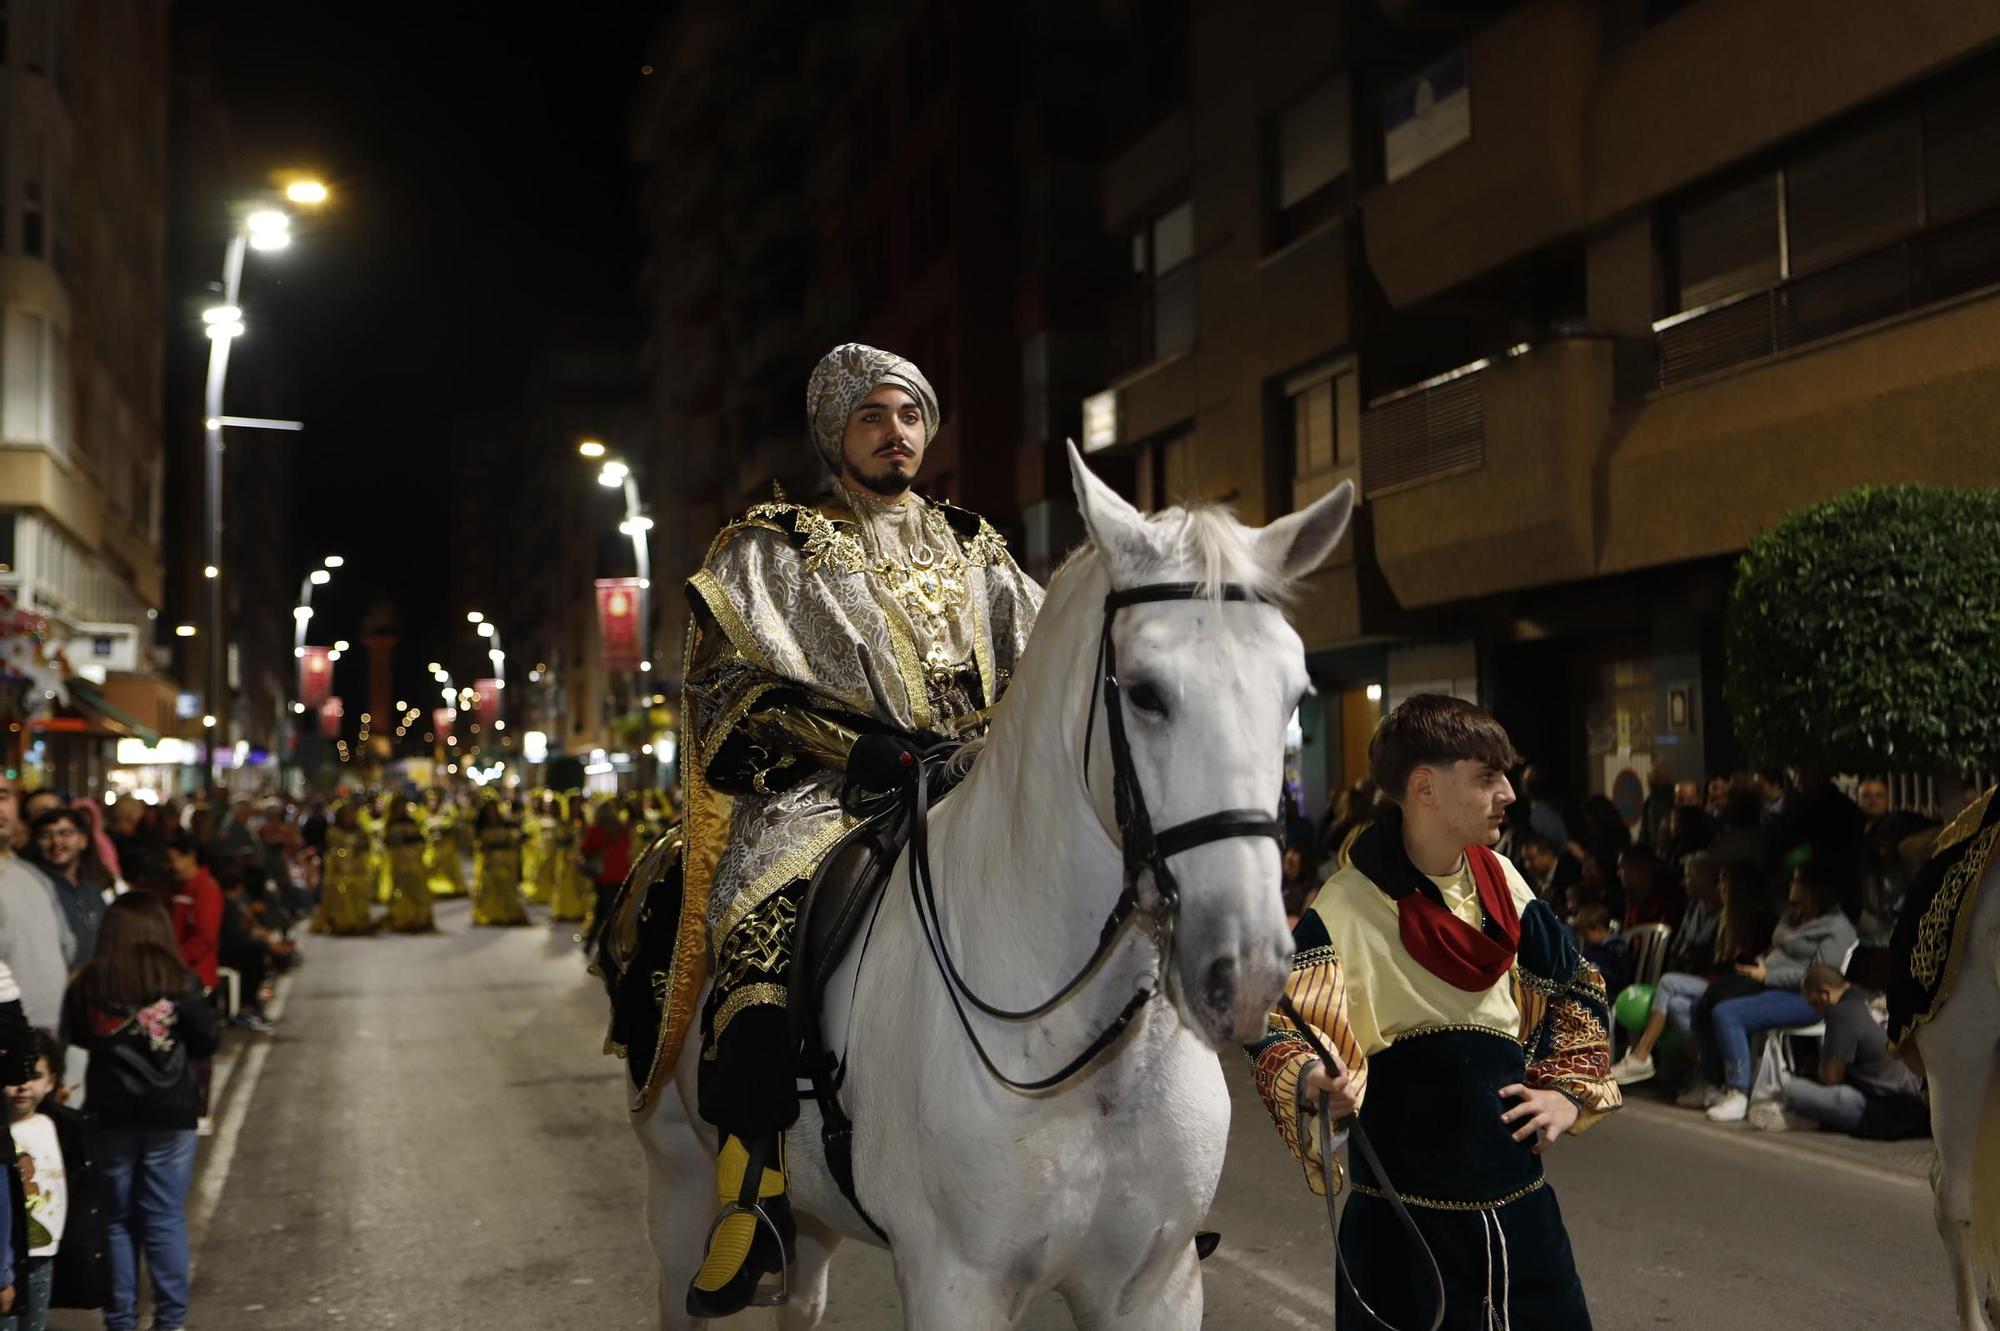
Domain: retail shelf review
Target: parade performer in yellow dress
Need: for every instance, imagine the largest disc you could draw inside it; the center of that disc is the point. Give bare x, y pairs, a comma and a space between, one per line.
532, 821
549, 867
446, 857
496, 896
346, 879
570, 892
409, 879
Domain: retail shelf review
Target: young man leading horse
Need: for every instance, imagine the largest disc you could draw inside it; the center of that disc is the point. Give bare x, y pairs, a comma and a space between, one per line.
1470, 1037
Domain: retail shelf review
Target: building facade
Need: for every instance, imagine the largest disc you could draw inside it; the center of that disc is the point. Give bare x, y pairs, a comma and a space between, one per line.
83, 180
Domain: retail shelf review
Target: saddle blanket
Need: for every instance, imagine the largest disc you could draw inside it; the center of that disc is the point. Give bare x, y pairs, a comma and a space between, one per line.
1929, 942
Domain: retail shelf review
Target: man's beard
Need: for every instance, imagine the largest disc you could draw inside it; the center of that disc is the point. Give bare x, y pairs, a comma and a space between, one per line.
889, 483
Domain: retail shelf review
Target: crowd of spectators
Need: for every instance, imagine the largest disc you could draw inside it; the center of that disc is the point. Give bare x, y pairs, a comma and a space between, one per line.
1762, 901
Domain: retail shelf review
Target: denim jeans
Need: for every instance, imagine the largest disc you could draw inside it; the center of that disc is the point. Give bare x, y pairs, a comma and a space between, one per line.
1675, 995
146, 1176
1737, 1019
31, 1297
1837, 1107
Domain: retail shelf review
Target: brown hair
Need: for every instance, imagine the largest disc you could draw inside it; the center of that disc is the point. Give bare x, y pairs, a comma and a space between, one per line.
1591, 915
137, 960
1430, 728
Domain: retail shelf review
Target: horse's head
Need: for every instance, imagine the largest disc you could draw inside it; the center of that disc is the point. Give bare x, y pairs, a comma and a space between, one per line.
1208, 687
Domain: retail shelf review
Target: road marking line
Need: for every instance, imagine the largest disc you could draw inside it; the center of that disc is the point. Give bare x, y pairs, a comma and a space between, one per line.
1751, 1139
222, 1147
1275, 1277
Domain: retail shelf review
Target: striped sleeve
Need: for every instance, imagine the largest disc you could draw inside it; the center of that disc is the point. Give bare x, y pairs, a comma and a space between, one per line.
1282, 1058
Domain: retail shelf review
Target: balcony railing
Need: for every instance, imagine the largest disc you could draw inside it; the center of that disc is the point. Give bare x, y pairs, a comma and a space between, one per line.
1880, 284
1425, 431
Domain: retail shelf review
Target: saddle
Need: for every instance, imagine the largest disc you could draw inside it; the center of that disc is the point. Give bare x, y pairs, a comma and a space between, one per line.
840, 897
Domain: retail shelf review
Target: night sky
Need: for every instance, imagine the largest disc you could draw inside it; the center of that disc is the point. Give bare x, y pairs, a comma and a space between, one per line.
483, 184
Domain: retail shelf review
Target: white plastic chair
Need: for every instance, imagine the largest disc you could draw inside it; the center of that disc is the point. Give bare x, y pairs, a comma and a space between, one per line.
1784, 1035
229, 983
1649, 951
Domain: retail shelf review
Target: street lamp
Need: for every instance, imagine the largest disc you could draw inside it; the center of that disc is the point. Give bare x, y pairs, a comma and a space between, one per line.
263, 229
617, 475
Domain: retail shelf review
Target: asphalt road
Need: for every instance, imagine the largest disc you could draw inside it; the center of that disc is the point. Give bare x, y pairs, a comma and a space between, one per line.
432, 1140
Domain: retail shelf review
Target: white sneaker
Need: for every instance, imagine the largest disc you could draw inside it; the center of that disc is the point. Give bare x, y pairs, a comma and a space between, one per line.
1769, 1116
1630, 1070
1733, 1107
1698, 1096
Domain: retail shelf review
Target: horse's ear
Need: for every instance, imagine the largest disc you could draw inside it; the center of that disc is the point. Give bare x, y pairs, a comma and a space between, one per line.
1300, 542
1115, 525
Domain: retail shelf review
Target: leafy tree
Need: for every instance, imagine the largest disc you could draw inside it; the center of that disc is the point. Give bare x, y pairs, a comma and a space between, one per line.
1864, 632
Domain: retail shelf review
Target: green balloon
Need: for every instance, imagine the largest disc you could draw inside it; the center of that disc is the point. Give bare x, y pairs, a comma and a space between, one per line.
1635, 1004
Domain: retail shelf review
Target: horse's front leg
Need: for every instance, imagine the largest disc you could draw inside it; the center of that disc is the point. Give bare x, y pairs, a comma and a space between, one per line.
942, 1293
1164, 1294
1959, 1063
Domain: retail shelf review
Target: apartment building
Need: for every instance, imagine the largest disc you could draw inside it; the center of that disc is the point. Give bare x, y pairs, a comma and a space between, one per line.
82, 240
1583, 296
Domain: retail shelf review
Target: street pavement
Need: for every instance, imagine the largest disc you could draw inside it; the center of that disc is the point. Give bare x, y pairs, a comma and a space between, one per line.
433, 1140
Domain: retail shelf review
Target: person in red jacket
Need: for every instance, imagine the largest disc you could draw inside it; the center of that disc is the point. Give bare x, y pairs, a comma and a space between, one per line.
197, 908
606, 857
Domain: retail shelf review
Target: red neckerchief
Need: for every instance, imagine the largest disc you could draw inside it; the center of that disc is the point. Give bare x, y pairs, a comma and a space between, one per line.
1465, 957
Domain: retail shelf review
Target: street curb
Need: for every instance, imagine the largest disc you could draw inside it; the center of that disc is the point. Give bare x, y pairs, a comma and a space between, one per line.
1896, 1162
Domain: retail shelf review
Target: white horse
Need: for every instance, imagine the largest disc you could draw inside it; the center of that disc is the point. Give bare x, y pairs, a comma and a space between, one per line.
1094, 1189
1960, 1048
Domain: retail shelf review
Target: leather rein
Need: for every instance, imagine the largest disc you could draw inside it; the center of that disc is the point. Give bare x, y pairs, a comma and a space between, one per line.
1145, 851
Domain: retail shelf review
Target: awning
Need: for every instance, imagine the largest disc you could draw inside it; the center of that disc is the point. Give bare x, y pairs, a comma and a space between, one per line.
86, 698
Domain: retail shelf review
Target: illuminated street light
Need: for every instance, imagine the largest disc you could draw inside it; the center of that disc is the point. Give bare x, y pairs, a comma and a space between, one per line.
333, 656
473, 617
591, 448
341, 646
334, 561
433, 667
210, 571
320, 577
269, 229
302, 613
208, 722
646, 666
636, 526
298, 708
485, 630
613, 475
310, 193
299, 652
224, 321
184, 630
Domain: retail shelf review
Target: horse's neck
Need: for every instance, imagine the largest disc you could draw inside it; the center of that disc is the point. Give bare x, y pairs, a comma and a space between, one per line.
1026, 872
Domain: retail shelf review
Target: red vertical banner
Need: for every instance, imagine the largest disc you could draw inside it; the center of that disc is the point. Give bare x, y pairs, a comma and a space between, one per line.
486, 701
618, 623
331, 714
441, 722
315, 676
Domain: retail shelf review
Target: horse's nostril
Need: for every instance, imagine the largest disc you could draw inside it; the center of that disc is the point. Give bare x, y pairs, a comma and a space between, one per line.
1222, 985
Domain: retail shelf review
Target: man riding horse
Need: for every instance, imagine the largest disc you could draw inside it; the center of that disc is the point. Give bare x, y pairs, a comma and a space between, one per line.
830, 643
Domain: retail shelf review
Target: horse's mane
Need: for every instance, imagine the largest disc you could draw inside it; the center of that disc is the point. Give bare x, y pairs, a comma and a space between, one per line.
1207, 538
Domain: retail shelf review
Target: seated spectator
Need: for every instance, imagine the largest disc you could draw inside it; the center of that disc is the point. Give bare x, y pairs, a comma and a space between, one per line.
1543, 815
67, 1261
1814, 931
1611, 955
249, 949
1692, 945
1549, 870
1689, 830
1740, 934
1651, 896
1858, 1083
1297, 885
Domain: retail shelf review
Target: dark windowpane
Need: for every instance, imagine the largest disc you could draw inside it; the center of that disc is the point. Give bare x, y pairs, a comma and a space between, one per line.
1855, 194
6, 542
1962, 149
1729, 242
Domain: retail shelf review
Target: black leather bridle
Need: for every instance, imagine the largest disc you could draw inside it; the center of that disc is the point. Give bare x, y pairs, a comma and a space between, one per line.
1146, 852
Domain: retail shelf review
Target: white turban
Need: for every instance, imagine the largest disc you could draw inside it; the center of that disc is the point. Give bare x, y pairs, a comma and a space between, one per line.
842, 381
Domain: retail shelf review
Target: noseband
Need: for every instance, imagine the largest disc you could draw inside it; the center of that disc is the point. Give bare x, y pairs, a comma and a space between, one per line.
1146, 852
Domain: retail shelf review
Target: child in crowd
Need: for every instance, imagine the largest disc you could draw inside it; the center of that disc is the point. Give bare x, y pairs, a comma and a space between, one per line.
1612, 956
65, 1229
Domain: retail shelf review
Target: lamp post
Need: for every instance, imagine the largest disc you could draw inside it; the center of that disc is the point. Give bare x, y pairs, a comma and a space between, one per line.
617, 475
265, 228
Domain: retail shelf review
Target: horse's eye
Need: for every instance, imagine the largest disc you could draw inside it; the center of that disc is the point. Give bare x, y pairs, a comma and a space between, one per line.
1148, 699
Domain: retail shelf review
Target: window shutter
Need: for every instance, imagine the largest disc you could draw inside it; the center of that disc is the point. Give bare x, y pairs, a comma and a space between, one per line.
1729, 242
